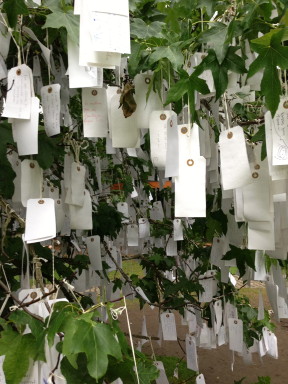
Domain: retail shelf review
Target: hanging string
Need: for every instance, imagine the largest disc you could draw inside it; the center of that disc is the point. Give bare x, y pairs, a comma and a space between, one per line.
20, 39
226, 112
47, 45
153, 352
53, 264
10, 30
285, 83
131, 342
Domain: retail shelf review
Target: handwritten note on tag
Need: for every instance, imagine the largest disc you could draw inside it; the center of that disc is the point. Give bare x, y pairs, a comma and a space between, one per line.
95, 114
50, 96
25, 132
40, 220
18, 101
280, 134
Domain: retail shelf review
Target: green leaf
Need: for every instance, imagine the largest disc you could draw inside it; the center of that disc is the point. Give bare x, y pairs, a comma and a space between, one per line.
79, 375
18, 350
13, 8
48, 150
177, 91
217, 38
147, 373
96, 340
170, 52
243, 257
270, 57
59, 18
142, 30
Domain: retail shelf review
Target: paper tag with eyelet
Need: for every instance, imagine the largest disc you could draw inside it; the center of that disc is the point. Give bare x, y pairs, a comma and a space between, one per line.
200, 379
168, 325
123, 208
95, 113
50, 97
81, 217
18, 100
190, 188
60, 214
172, 155
132, 235
157, 213
191, 353
235, 329
40, 220
145, 107
271, 343
25, 131
235, 168
94, 252
177, 230
162, 378
31, 180
144, 228
158, 127
124, 131
218, 315
280, 134
77, 185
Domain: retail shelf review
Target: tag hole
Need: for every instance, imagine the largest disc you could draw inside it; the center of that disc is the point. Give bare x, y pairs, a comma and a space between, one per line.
78, 169
235, 322
147, 80
189, 64
257, 166
167, 315
218, 240
18, 72
92, 240
230, 135
50, 90
94, 92
171, 123
162, 116
33, 295
32, 165
41, 201
285, 104
255, 175
190, 162
184, 130
58, 202
52, 189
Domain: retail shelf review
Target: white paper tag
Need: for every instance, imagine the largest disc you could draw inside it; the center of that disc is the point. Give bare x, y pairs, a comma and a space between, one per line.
95, 114
132, 235
235, 328
171, 246
31, 180
124, 131
40, 220
78, 172
177, 230
144, 228
168, 325
235, 168
50, 96
191, 353
158, 126
200, 379
172, 155
25, 132
280, 134
123, 208
18, 101
60, 215
81, 217
94, 252
162, 378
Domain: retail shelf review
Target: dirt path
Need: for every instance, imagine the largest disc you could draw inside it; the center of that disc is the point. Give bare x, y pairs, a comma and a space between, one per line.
215, 364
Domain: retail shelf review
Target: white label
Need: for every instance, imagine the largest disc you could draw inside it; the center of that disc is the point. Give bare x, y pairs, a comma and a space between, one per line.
95, 114
81, 217
50, 96
18, 101
235, 328
78, 172
123, 208
171, 246
31, 180
40, 220
94, 252
168, 326
162, 378
280, 134
132, 235
25, 132
200, 379
177, 230
60, 215
172, 155
191, 353
235, 168
144, 228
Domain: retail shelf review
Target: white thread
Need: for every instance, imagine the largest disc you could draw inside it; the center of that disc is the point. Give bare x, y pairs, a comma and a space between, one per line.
115, 313
131, 342
4, 304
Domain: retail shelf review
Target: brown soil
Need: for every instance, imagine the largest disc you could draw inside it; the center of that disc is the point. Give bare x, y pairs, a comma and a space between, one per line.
215, 364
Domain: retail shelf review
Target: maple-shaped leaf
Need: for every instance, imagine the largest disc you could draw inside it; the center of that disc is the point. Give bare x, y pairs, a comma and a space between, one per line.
63, 17
272, 54
231, 62
187, 85
243, 257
